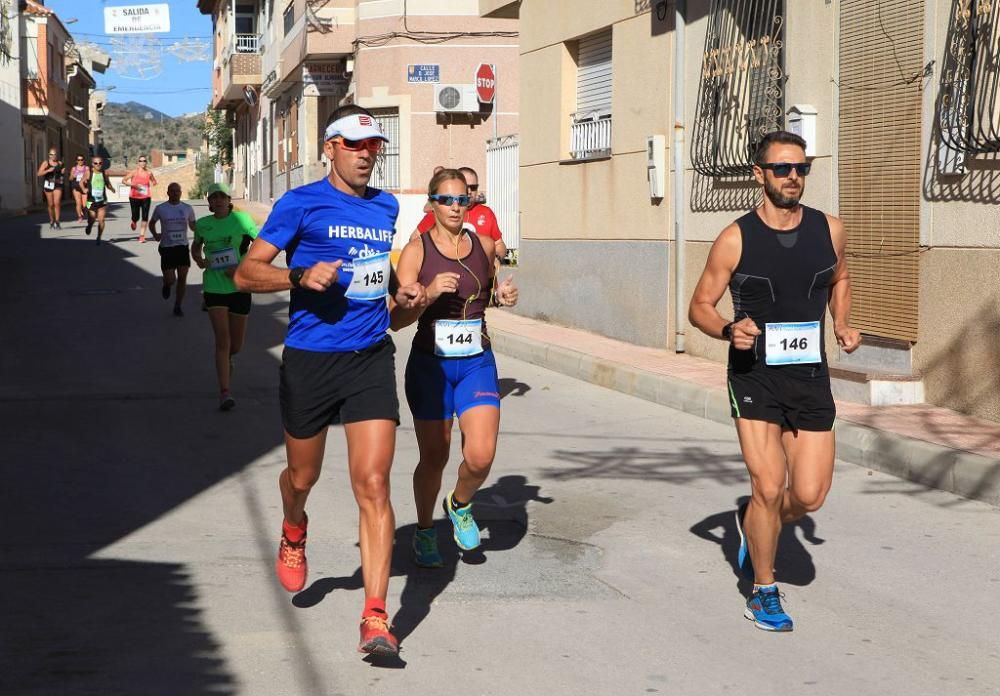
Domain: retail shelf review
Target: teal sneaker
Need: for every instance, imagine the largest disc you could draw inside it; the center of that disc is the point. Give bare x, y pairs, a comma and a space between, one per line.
425, 548
764, 609
466, 532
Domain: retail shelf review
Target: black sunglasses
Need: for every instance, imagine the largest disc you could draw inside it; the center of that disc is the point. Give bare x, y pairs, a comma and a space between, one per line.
783, 169
473, 187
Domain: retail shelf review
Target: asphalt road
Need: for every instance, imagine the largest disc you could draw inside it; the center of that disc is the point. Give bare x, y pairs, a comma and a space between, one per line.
141, 526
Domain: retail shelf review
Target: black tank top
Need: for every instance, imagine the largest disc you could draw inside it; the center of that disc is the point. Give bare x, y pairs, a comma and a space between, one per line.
56, 175
782, 276
453, 305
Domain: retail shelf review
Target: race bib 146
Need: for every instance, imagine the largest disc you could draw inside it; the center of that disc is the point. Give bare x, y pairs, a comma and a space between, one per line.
792, 343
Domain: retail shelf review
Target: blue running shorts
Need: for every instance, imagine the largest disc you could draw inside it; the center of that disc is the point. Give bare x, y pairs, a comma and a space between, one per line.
438, 388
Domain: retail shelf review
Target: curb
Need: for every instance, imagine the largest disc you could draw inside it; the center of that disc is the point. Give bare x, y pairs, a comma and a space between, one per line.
967, 474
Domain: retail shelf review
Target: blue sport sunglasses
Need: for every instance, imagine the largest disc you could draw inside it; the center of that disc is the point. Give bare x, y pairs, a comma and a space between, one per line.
445, 199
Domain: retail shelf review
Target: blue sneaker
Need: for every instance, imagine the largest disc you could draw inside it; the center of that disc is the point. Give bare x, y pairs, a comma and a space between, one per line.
743, 556
425, 548
764, 609
466, 532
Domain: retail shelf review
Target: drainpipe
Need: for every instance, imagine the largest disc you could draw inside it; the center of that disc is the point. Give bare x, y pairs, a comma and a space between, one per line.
680, 315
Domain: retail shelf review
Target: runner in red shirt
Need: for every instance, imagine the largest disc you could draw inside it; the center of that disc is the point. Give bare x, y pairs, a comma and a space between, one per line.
478, 214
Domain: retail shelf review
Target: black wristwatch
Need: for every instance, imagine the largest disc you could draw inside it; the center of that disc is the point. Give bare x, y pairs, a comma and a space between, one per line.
295, 277
727, 331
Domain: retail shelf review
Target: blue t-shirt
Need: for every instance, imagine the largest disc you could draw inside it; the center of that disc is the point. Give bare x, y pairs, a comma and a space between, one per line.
317, 222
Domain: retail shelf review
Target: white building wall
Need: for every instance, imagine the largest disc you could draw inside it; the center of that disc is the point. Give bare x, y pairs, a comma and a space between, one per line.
13, 196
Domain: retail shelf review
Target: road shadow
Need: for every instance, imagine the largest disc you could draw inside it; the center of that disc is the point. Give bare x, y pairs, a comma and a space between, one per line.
793, 564
501, 511
110, 416
684, 464
512, 387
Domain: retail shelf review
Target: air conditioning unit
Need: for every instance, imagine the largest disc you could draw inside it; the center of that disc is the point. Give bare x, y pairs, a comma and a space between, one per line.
456, 99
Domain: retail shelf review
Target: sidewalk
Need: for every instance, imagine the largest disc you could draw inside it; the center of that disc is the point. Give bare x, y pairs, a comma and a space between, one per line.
925, 444
922, 443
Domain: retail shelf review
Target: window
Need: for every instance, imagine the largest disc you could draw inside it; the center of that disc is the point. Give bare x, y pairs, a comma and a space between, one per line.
386, 175
293, 135
289, 18
590, 130
969, 103
881, 44
265, 141
281, 141
32, 54
246, 19
741, 95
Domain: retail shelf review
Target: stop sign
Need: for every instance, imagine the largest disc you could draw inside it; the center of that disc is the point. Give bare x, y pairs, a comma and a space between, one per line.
486, 83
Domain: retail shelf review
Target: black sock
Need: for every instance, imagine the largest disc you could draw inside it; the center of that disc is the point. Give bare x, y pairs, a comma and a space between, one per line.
456, 503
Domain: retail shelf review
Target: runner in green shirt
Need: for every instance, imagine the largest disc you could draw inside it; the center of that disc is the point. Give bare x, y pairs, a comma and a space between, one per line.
220, 240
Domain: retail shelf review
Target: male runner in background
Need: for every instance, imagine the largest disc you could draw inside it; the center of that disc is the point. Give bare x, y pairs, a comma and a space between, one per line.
175, 259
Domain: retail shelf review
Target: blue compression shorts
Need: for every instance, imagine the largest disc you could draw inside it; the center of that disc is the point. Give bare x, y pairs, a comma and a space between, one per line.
438, 388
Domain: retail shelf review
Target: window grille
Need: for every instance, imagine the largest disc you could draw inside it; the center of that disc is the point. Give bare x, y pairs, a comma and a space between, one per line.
741, 95
969, 98
386, 174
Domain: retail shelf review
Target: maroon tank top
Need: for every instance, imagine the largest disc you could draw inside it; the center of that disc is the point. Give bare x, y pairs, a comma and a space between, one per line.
453, 305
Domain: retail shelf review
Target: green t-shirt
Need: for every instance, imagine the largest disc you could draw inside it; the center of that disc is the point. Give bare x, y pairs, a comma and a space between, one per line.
222, 238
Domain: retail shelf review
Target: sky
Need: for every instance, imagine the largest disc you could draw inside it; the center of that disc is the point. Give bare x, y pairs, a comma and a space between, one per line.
180, 88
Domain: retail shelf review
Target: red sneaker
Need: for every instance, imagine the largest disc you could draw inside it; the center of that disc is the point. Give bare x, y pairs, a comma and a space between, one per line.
291, 565
132, 226
376, 638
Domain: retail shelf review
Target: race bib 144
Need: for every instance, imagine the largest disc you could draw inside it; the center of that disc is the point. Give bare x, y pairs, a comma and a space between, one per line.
458, 338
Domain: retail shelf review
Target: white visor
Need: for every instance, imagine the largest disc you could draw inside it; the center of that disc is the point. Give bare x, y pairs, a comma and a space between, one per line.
355, 127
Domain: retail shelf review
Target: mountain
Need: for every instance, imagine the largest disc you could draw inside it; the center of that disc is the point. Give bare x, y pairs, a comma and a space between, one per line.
132, 129
143, 111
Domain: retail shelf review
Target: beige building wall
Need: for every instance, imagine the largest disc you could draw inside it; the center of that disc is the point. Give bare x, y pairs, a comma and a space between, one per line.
430, 138
584, 213
957, 350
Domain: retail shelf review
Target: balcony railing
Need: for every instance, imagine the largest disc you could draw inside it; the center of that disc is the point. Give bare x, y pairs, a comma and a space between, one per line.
590, 136
247, 43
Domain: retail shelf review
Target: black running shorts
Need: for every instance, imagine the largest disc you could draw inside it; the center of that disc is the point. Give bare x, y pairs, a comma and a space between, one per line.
795, 401
174, 257
322, 389
140, 207
235, 302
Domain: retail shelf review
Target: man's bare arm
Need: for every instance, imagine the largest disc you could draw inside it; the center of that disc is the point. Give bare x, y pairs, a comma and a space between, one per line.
840, 290
256, 272
722, 261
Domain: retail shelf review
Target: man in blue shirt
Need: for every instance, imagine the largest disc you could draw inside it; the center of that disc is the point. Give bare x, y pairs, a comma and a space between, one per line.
338, 364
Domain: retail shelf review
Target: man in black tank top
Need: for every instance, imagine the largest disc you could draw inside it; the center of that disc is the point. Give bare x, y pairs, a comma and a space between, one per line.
783, 264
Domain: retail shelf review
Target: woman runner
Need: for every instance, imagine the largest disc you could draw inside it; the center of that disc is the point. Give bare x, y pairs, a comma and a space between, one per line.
77, 174
51, 173
224, 236
142, 182
451, 369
